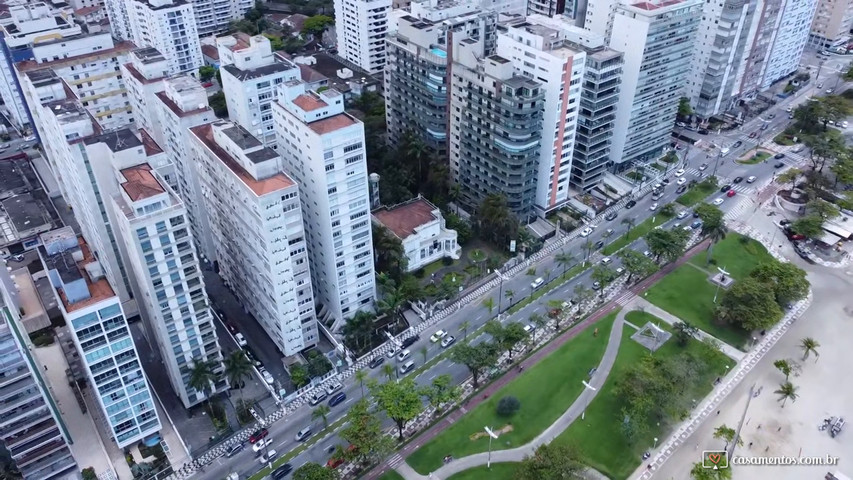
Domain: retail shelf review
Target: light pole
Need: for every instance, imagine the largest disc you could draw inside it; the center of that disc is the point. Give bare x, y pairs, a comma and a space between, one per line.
723, 274
717, 163
655, 444
492, 435
589, 387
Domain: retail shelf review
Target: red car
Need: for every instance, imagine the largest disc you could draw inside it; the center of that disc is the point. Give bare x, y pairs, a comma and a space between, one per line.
731, 193
262, 433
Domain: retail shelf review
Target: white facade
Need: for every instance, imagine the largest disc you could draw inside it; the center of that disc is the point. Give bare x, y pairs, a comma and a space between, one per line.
420, 227
257, 230
539, 49
119, 19
180, 106
600, 15
791, 35
170, 27
831, 24
360, 27
155, 231
143, 78
658, 45
102, 337
250, 79
322, 148
211, 16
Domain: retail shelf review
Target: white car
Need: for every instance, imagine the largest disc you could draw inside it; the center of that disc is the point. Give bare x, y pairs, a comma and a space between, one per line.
437, 336
606, 260
844, 124
241, 340
537, 283
653, 207
679, 172
334, 388
681, 181
718, 201
620, 270
586, 232
266, 376
750, 179
647, 253
529, 328
447, 341
688, 228
260, 444
682, 214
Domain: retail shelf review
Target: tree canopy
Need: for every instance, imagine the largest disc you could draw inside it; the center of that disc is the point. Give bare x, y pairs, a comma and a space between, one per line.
787, 281
400, 400
667, 244
476, 357
551, 462
363, 430
317, 24
218, 104
506, 337
314, 471
636, 263
495, 221
749, 304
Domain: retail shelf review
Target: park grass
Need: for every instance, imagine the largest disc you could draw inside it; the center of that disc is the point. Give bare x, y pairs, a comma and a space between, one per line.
545, 392
737, 254
499, 471
696, 194
635, 233
391, 475
640, 318
757, 158
599, 436
783, 139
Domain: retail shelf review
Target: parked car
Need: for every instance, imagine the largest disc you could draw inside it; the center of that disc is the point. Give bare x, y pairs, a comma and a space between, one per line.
630, 203
606, 260
407, 367
334, 387
282, 471
682, 214
303, 434
750, 179
241, 340
337, 399
410, 341
404, 355
529, 329
376, 362
610, 216
447, 341
537, 283
266, 375
258, 435
252, 358
696, 224
317, 397
437, 336
234, 450
703, 131
596, 285
647, 253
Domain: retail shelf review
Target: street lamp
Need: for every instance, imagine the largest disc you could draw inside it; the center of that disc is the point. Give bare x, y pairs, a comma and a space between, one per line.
655, 444
723, 274
589, 387
492, 435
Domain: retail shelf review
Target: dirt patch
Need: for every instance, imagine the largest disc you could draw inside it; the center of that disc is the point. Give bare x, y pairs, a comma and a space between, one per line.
479, 435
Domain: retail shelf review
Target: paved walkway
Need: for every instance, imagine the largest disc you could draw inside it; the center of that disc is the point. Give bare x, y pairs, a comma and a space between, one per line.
398, 459
649, 307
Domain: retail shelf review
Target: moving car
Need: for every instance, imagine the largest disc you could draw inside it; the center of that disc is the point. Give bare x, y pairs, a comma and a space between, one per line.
750, 179
718, 201
737, 180
679, 172
282, 471
258, 435
437, 336
376, 362
610, 216
337, 399
753, 134
681, 181
681, 189
844, 124
731, 193
408, 342
696, 224
407, 367
404, 355
725, 188
703, 131
268, 457
653, 207
447, 341
537, 283
737, 144
599, 244
765, 127
261, 444
529, 328
606, 260
241, 340
586, 231
630, 203
778, 164
303, 434
779, 155
682, 214
703, 167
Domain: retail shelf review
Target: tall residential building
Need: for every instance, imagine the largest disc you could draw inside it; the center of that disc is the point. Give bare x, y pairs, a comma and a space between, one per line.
764, 26
723, 45
211, 16
832, 23
251, 75
576, 11
495, 129
159, 250
548, 8
257, 229
360, 27
323, 150
62, 124
600, 15
170, 27
32, 430
180, 106
416, 75
143, 78
791, 35
102, 337
41, 38
657, 39
539, 49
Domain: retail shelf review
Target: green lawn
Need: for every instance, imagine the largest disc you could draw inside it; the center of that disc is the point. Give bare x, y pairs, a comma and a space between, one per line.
545, 391
696, 194
635, 233
687, 293
783, 139
640, 318
599, 436
391, 475
499, 471
752, 160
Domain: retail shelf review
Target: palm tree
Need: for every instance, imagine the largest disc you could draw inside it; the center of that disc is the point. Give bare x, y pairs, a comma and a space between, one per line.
629, 222
716, 231
463, 327
361, 376
509, 294
809, 346
555, 309
416, 149
787, 391
547, 274
358, 329
489, 304
237, 367
321, 412
589, 247
454, 192
565, 260
201, 378
424, 351
538, 320
388, 370
785, 367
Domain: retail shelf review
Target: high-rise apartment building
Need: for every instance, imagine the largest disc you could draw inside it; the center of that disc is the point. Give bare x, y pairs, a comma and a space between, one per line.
548, 8
539, 49
791, 35
102, 337
170, 27
360, 27
832, 22
32, 430
322, 148
211, 16
257, 228
158, 248
251, 75
723, 45
764, 25
143, 78
416, 75
576, 11
599, 16
657, 38
180, 106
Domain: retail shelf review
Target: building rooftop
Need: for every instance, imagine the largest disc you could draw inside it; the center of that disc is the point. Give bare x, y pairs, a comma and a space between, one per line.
70, 270
33, 314
116, 140
210, 51
138, 76
261, 187
309, 102
140, 183
241, 137
309, 75
26, 213
655, 5
11, 178
176, 109
404, 219
330, 124
43, 77
151, 147
148, 55
87, 10
119, 49
266, 70
329, 66
243, 41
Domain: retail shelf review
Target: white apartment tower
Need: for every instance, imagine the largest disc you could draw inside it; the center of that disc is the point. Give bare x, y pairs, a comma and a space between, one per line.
170, 27
102, 337
657, 38
791, 36
211, 16
599, 16
180, 106
539, 50
831, 24
323, 150
257, 230
143, 78
360, 27
158, 247
251, 75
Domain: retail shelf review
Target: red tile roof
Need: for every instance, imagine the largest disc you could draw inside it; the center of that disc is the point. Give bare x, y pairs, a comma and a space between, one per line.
330, 124
151, 147
210, 51
309, 102
98, 290
140, 182
404, 219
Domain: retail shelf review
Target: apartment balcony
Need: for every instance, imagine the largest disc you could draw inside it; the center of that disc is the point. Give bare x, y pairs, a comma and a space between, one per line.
50, 466
39, 429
